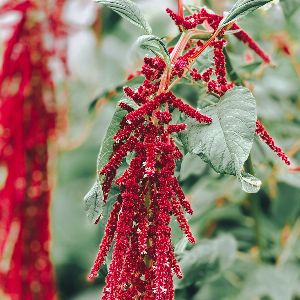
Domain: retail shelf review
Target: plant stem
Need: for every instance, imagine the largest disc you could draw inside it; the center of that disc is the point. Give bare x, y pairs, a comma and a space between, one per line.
180, 8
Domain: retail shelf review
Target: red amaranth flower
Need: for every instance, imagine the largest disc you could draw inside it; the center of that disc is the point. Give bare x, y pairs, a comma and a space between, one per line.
153, 68
266, 138
195, 74
191, 22
248, 40
189, 111
27, 119
181, 63
188, 22
143, 260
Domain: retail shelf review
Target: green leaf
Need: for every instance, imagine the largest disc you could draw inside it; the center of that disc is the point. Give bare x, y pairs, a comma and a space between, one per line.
129, 11
206, 260
191, 165
271, 282
240, 9
116, 92
106, 148
93, 201
283, 212
93, 103
249, 183
226, 143
155, 45
251, 67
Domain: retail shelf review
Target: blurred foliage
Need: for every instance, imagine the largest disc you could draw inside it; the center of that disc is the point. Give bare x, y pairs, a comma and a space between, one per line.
248, 245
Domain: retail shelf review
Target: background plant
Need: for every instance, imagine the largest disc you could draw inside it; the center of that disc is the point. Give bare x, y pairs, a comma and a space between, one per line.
27, 123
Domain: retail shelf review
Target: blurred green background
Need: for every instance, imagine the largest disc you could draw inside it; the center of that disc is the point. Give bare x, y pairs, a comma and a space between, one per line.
248, 245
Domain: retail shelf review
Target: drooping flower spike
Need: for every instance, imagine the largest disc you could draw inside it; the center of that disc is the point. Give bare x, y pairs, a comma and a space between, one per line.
27, 122
265, 137
143, 260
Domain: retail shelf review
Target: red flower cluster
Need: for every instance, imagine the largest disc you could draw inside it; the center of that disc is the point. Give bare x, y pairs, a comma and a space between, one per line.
143, 259
213, 20
264, 135
27, 120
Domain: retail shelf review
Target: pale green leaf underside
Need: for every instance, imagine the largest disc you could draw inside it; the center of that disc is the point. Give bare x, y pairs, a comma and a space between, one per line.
129, 11
240, 9
226, 143
155, 45
93, 201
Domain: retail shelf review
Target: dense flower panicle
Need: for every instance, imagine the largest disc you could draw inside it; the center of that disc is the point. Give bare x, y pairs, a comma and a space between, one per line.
150, 161
133, 95
264, 135
182, 221
207, 74
28, 120
181, 63
189, 111
116, 159
189, 22
126, 107
153, 68
163, 116
176, 128
148, 88
195, 74
143, 259
148, 108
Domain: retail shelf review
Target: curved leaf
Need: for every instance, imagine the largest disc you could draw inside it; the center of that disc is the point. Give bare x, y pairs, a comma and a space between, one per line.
155, 45
129, 11
226, 143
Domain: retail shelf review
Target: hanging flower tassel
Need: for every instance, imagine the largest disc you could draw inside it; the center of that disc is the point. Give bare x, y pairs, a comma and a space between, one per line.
27, 121
268, 140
